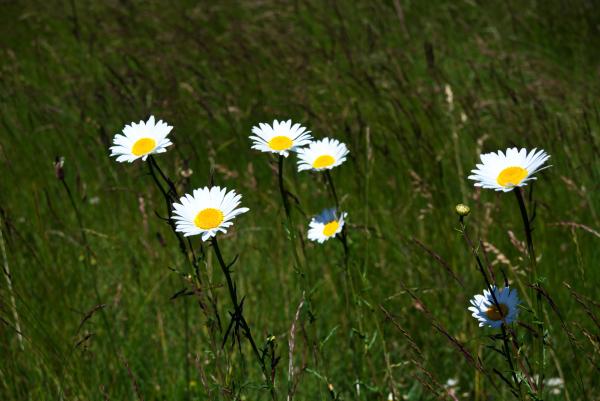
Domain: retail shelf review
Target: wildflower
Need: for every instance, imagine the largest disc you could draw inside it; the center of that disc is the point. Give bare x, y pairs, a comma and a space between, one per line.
505, 171
207, 211
489, 313
141, 140
281, 138
322, 155
326, 225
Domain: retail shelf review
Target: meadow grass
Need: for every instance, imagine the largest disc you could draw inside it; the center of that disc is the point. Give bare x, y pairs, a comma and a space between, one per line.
104, 301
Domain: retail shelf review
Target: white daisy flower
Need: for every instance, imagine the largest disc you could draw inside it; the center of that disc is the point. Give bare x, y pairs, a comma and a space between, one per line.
207, 211
326, 225
504, 172
281, 138
489, 314
141, 140
322, 155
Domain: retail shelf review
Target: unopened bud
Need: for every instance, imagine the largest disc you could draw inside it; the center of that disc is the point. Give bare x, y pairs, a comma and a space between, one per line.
462, 210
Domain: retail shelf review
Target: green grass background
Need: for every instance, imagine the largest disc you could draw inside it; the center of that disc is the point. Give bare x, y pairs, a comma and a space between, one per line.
372, 74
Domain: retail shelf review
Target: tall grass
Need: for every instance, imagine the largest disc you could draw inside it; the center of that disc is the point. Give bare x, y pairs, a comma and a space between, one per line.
108, 306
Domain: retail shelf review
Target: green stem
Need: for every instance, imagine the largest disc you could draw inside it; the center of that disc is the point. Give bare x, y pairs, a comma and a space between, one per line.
539, 318
170, 197
332, 188
238, 317
289, 220
172, 190
343, 237
284, 198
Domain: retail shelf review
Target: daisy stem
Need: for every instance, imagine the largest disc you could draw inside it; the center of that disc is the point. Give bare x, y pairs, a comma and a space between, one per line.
238, 317
509, 359
337, 208
171, 197
284, 198
536, 288
172, 190
290, 222
474, 251
332, 188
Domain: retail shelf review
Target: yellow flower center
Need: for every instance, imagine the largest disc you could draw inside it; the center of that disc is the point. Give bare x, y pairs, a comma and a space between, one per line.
330, 228
323, 161
494, 314
511, 176
280, 143
143, 146
208, 218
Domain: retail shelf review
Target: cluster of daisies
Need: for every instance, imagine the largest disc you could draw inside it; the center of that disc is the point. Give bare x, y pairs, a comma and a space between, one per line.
281, 138
208, 211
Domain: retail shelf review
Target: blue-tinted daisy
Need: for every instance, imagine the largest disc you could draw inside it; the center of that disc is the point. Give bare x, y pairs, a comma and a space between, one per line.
281, 137
326, 225
322, 155
207, 211
139, 140
505, 171
489, 313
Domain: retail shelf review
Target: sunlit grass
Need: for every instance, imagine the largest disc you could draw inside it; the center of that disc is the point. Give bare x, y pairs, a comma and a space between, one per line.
372, 76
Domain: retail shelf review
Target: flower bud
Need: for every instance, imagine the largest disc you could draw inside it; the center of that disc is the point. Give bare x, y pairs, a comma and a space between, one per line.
462, 210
